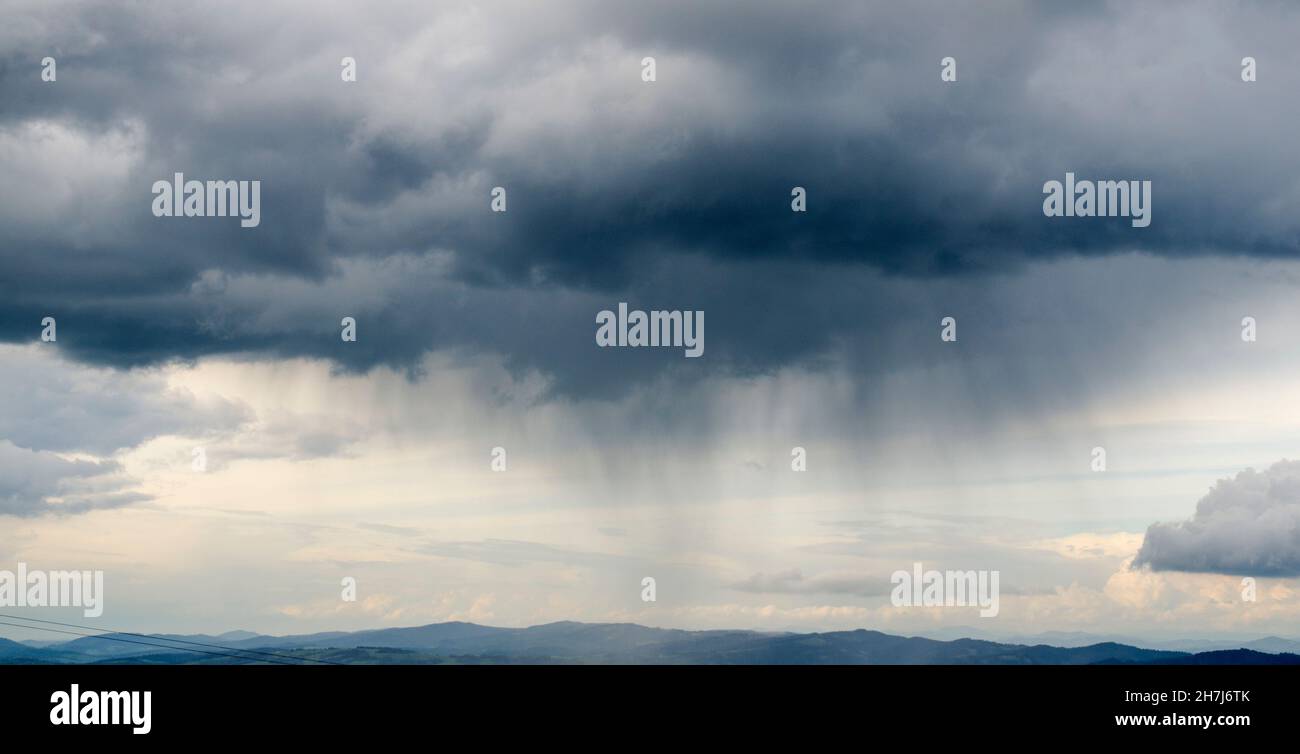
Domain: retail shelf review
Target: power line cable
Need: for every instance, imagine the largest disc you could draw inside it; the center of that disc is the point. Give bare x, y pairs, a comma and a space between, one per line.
228, 651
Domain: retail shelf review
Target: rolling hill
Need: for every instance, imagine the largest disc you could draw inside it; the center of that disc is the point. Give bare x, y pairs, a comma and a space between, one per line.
600, 643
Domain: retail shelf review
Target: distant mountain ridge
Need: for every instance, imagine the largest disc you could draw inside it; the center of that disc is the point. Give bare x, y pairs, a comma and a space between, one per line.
602, 643
1269, 644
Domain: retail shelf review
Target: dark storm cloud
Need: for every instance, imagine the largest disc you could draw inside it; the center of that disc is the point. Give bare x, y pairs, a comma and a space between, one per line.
1246, 526
618, 189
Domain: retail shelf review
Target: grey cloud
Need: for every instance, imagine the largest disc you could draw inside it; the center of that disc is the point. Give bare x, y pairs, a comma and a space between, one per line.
51, 407
47, 403
1248, 525
35, 483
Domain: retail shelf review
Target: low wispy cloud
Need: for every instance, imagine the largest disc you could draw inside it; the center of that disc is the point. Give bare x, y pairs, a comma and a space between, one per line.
793, 582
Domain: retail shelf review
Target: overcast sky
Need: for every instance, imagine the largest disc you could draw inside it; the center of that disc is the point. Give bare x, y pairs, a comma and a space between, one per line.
371, 459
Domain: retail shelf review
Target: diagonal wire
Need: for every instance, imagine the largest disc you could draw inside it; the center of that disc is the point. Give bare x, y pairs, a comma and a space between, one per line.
227, 651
